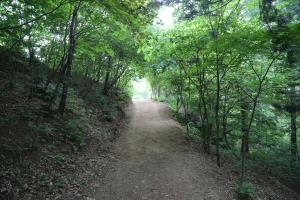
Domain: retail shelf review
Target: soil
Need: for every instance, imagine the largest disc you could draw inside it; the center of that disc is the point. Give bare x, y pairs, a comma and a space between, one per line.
154, 160
146, 156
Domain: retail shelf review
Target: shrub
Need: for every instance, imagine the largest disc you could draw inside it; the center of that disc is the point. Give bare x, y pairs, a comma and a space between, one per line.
74, 132
246, 191
59, 181
43, 129
110, 116
59, 159
11, 149
193, 132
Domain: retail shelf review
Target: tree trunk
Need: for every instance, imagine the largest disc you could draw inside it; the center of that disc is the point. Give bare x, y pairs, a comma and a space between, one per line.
107, 76
66, 70
31, 51
225, 131
64, 95
294, 148
245, 133
293, 115
224, 121
217, 108
158, 91
244, 124
62, 59
206, 124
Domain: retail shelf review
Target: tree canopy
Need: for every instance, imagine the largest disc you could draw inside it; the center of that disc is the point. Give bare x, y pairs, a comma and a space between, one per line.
230, 69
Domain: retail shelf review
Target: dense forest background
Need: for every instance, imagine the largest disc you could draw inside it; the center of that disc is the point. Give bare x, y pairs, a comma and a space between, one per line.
229, 69
65, 76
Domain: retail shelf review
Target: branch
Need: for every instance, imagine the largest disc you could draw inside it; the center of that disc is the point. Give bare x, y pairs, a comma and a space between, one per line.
270, 65
254, 70
32, 20
260, 90
249, 95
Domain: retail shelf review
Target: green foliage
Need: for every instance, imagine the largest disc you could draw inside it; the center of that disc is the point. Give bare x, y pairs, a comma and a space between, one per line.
59, 159
276, 161
43, 179
43, 129
74, 131
14, 149
110, 116
193, 132
229, 70
245, 191
59, 181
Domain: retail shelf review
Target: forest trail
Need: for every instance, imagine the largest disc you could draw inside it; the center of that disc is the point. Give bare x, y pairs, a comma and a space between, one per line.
155, 161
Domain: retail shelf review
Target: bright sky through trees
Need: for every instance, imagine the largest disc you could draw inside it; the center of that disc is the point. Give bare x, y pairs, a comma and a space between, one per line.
165, 16
229, 70
141, 89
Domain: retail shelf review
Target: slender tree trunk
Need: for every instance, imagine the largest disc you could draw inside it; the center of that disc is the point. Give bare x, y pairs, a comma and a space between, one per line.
294, 148
206, 126
30, 46
61, 62
224, 121
64, 94
244, 124
293, 115
251, 119
158, 91
291, 53
225, 130
245, 133
31, 52
107, 76
66, 71
217, 108
187, 104
177, 103
106, 83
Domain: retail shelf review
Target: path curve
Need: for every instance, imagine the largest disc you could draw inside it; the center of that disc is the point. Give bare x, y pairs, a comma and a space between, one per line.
155, 161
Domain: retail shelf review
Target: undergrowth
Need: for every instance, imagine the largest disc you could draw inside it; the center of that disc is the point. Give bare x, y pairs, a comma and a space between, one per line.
275, 163
34, 138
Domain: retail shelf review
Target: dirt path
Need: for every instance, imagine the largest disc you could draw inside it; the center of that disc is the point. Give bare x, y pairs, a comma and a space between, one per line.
156, 162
